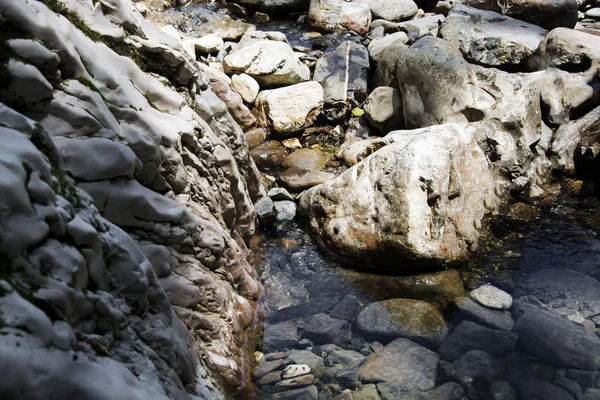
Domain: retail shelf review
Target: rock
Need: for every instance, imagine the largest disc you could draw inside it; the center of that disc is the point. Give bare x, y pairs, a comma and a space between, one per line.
367, 392
335, 15
570, 386
298, 381
310, 159
415, 320
210, 44
292, 108
401, 362
231, 29
298, 179
267, 366
492, 297
255, 137
547, 14
395, 10
506, 123
285, 211
343, 75
536, 389
347, 309
277, 194
322, 329
348, 358
340, 375
585, 379
269, 62
438, 288
477, 365
383, 109
384, 53
305, 357
275, 5
564, 290
437, 228
468, 309
567, 49
269, 155
469, 336
265, 211
521, 212
306, 393
593, 13
292, 144
488, 38
554, 339
269, 378
502, 390
280, 336
246, 86
421, 26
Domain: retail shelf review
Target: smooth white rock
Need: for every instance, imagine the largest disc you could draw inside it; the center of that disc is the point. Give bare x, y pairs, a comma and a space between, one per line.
492, 297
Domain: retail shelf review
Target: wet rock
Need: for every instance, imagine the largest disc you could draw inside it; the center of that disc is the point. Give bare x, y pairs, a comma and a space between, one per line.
296, 382
277, 194
322, 329
246, 86
347, 309
334, 15
306, 393
341, 375
271, 63
285, 211
535, 389
417, 200
438, 288
367, 392
269, 155
269, 378
565, 290
468, 309
538, 12
383, 109
292, 144
492, 297
343, 75
267, 366
295, 370
469, 336
280, 336
415, 320
554, 339
256, 136
291, 108
477, 367
521, 212
395, 10
384, 53
489, 38
298, 179
502, 390
310, 159
401, 362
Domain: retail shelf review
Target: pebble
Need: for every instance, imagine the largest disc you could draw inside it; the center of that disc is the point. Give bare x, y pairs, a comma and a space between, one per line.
295, 370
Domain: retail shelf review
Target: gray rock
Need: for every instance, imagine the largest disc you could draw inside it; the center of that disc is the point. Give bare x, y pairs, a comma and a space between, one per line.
476, 366
280, 336
267, 366
344, 376
470, 310
276, 5
265, 211
469, 336
415, 320
568, 49
277, 193
585, 379
395, 10
285, 211
343, 216
489, 38
322, 329
401, 362
347, 358
305, 357
383, 109
502, 390
333, 15
492, 297
343, 75
384, 53
554, 339
547, 14
570, 386
535, 389
306, 393
347, 309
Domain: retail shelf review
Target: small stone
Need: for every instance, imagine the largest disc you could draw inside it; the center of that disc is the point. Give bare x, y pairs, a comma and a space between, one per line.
310, 159
265, 211
492, 297
270, 378
260, 18
277, 194
246, 86
209, 44
294, 370
298, 179
578, 319
275, 356
285, 211
471, 310
299, 381
255, 137
305, 357
269, 155
280, 336
323, 329
292, 143
264, 368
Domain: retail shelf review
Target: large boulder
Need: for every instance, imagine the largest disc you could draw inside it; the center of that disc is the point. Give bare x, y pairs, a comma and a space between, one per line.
339, 15
291, 108
271, 63
343, 75
547, 14
420, 200
439, 86
488, 38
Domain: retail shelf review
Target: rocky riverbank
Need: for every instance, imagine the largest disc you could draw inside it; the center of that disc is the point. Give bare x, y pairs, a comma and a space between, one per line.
140, 158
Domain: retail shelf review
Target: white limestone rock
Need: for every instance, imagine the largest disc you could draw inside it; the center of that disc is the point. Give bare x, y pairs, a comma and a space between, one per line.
492, 297
246, 86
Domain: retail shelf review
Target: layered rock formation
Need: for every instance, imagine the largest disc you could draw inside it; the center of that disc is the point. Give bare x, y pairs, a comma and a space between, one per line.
128, 194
